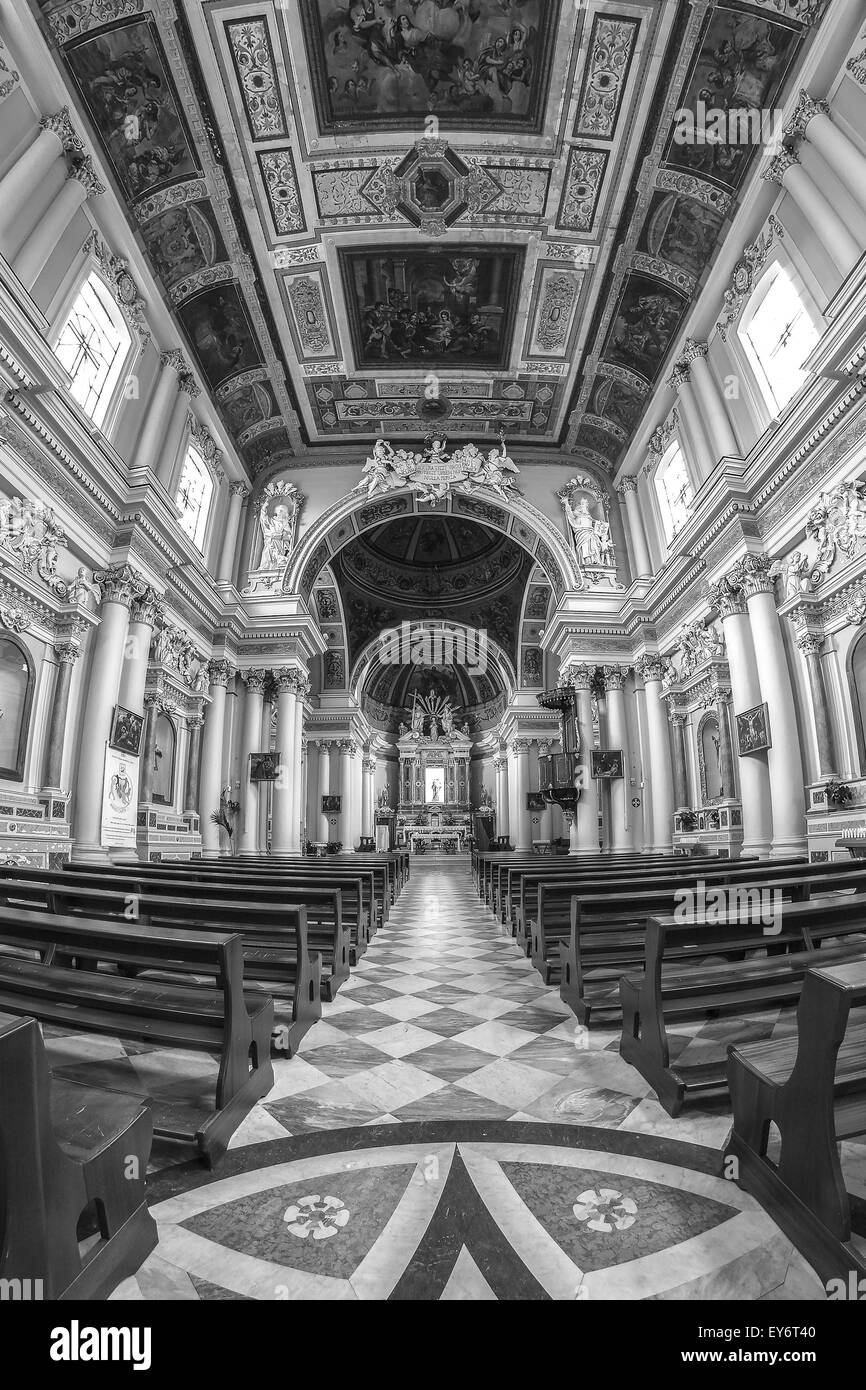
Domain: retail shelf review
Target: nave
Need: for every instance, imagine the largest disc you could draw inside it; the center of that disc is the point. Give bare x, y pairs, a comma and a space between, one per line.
532, 1162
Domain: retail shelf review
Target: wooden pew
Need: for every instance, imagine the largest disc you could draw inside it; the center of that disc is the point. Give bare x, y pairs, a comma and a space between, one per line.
813, 1088
66, 1147
679, 982
521, 886
634, 897
334, 907
275, 936
608, 936
233, 1023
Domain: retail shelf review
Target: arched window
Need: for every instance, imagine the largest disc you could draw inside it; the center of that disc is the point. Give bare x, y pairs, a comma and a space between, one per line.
675, 491
16, 697
778, 333
194, 493
93, 346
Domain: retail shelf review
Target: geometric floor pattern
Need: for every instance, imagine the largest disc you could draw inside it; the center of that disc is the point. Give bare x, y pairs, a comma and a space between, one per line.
447, 1088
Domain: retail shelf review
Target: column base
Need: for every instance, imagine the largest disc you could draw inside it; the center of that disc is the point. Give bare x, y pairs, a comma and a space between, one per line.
93, 854
783, 849
759, 848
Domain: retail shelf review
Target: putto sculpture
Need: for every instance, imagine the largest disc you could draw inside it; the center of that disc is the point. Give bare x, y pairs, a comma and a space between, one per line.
434, 474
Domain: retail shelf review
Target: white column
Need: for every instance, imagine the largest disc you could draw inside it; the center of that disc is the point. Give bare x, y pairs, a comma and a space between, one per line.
698, 447
728, 600
254, 680
503, 822
178, 426
369, 771
523, 840
211, 781
719, 430
585, 836
812, 121
80, 185
627, 488
312, 789
324, 824
266, 788
118, 586
787, 171
281, 815
614, 679
661, 779
238, 494
784, 758
146, 611
28, 172
302, 688
158, 409
347, 753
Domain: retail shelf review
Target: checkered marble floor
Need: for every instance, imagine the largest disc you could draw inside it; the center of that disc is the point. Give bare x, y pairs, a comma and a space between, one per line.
444, 1022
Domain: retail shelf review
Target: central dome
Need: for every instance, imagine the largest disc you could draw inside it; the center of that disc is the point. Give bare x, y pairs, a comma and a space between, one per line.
421, 560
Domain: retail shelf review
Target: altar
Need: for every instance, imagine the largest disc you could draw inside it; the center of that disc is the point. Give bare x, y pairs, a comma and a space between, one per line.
436, 837
434, 778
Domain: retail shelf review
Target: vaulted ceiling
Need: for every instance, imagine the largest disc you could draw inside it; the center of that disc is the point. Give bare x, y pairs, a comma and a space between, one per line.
373, 215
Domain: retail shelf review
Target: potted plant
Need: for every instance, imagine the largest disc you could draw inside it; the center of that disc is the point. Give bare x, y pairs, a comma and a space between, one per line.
334, 846
226, 816
837, 792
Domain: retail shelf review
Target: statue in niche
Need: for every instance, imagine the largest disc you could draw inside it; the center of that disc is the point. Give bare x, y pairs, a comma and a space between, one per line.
592, 541
447, 721
278, 519
434, 789
81, 589
417, 720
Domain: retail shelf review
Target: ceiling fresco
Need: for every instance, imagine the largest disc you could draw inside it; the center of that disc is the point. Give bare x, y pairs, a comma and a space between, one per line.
372, 214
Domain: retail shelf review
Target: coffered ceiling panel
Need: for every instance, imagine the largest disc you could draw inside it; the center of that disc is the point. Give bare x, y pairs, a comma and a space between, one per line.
379, 215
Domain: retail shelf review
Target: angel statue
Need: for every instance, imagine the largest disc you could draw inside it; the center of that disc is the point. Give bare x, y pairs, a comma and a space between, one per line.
278, 531
447, 721
498, 465
81, 589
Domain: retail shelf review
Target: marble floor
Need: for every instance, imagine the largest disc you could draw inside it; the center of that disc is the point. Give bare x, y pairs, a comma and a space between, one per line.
448, 1130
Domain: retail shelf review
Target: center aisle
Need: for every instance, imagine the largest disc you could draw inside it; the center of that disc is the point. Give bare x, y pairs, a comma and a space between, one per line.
448, 1131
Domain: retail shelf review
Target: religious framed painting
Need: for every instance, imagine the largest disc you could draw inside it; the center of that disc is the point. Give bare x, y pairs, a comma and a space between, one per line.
607, 762
753, 731
386, 66
125, 733
430, 306
264, 767
332, 805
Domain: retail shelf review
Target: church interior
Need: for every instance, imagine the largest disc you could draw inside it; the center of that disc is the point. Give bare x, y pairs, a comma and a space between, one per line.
432, 650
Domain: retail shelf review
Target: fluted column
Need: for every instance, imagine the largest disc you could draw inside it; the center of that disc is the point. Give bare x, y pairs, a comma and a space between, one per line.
617, 732
238, 494
67, 655
81, 184
661, 782
783, 758
697, 445
584, 831
830, 229
678, 745
250, 737
726, 750
146, 611
627, 488
324, 788
746, 694
368, 768
281, 813
55, 139
714, 412
812, 121
347, 753
302, 689
119, 586
523, 840
158, 409
211, 782
500, 766
178, 426
194, 724
266, 788
810, 645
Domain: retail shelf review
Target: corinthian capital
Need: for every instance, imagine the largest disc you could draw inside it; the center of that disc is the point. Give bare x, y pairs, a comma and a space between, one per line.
726, 597
61, 126
693, 349
255, 680
147, 607
614, 677
649, 668
119, 584
627, 484
219, 672
778, 167
806, 110
85, 174
752, 576
681, 376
